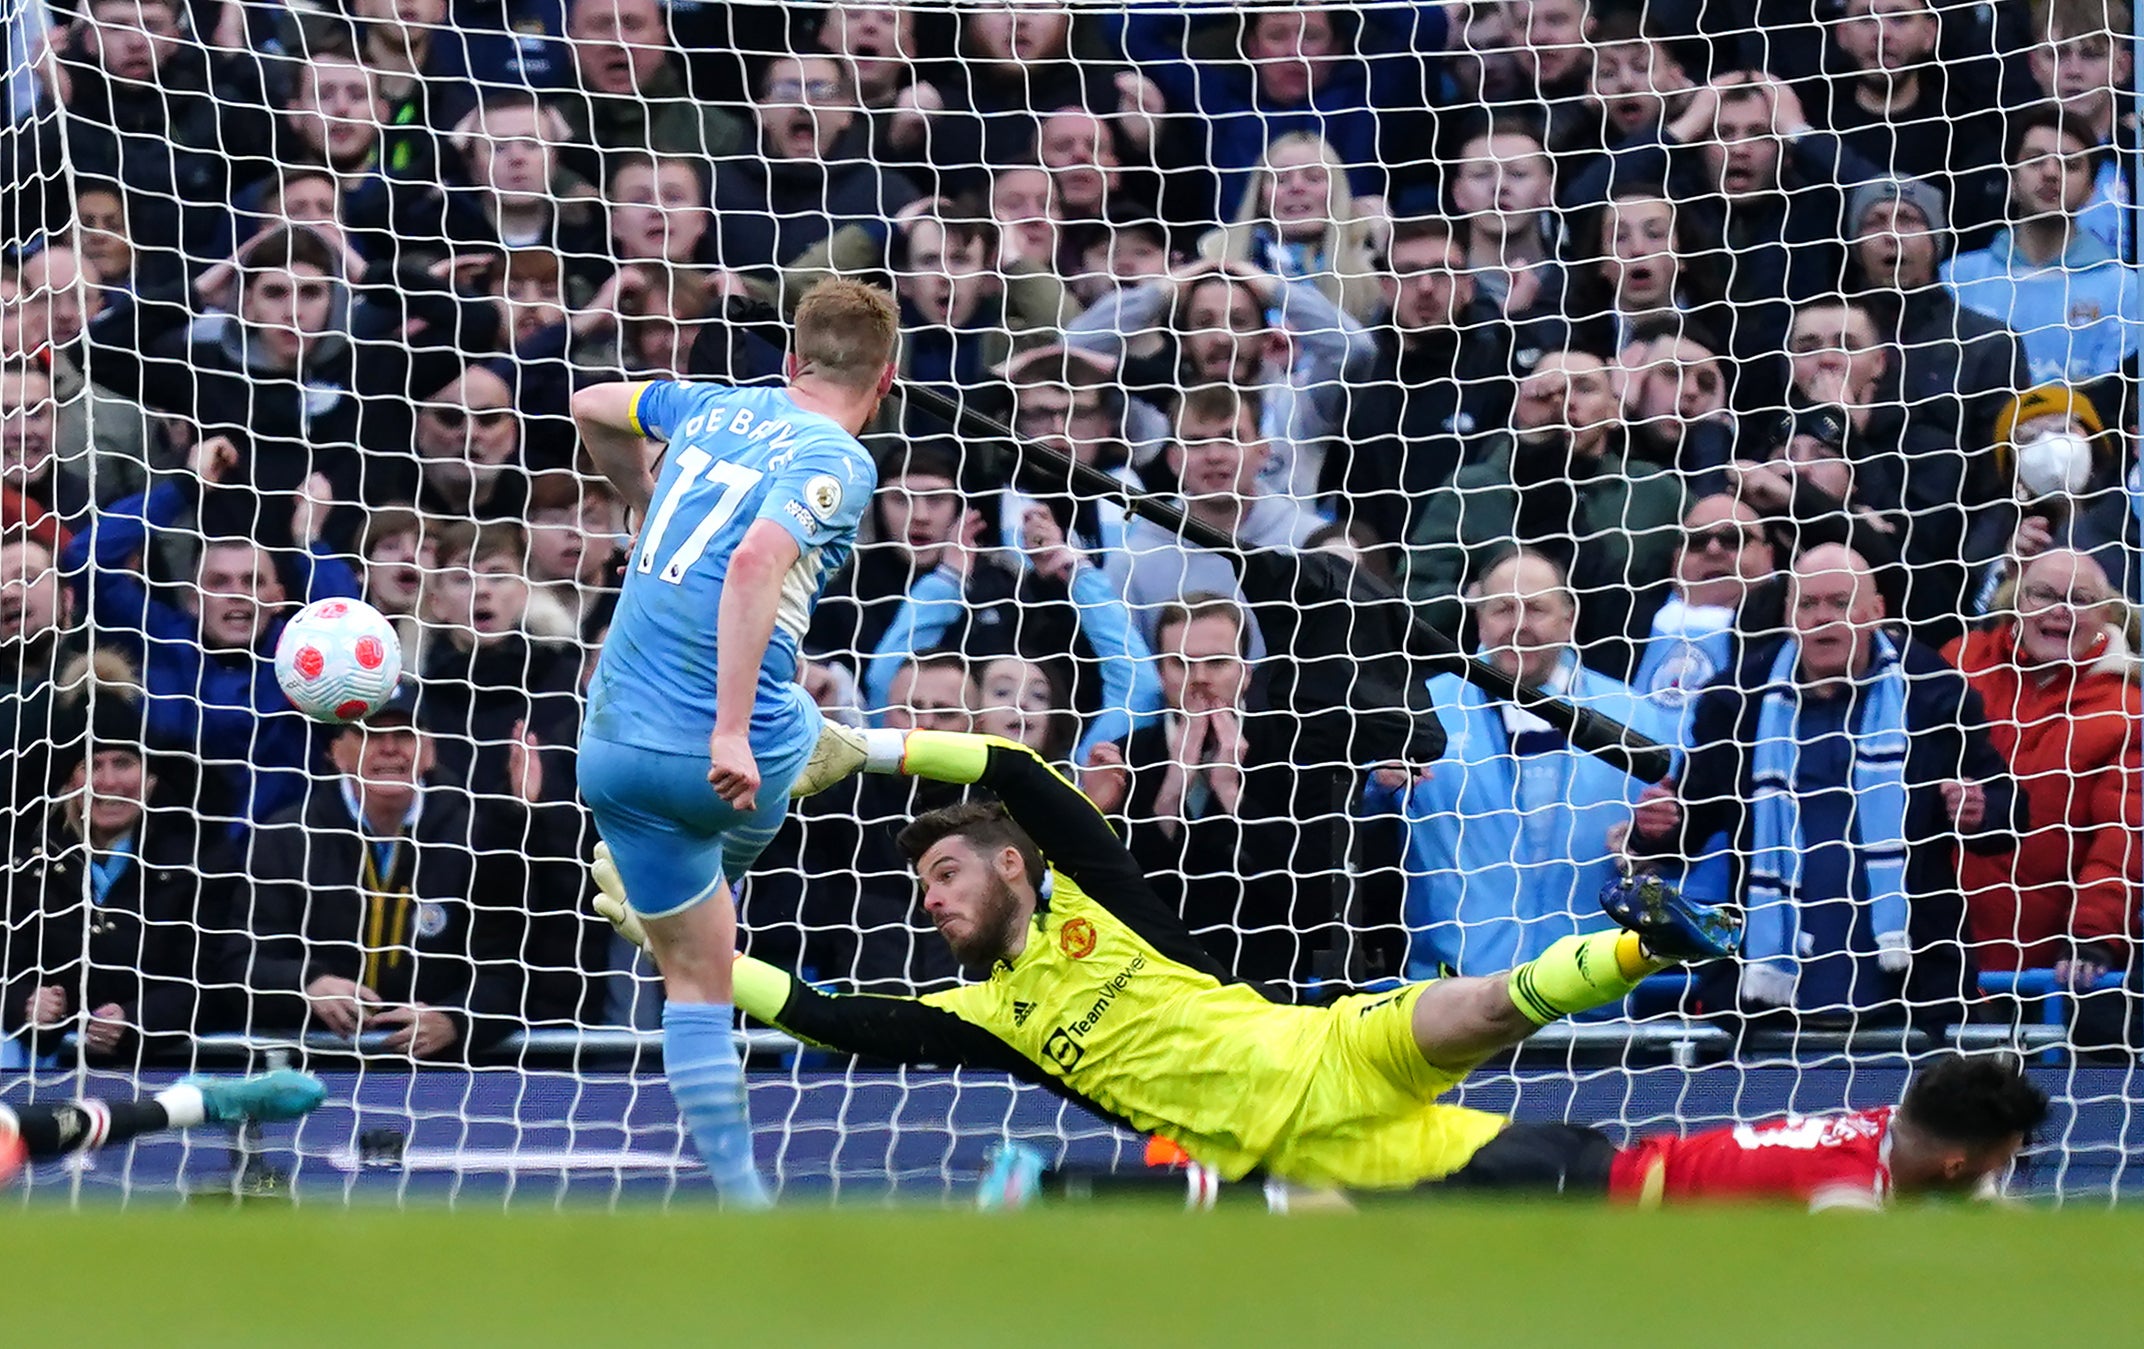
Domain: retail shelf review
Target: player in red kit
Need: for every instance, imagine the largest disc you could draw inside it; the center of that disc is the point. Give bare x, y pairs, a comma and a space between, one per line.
1962, 1123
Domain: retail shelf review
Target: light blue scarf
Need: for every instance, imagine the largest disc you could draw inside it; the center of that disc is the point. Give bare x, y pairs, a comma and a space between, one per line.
1772, 937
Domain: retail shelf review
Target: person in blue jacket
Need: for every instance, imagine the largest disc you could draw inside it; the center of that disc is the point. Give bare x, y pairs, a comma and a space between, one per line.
1508, 834
2077, 307
206, 661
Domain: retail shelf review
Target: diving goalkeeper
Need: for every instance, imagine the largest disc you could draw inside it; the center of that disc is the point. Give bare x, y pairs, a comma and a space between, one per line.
1098, 992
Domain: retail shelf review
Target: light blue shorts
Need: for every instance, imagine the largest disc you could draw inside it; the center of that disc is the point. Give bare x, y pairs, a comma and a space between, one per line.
674, 840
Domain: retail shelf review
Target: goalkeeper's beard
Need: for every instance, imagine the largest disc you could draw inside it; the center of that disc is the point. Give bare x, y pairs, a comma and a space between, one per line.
989, 938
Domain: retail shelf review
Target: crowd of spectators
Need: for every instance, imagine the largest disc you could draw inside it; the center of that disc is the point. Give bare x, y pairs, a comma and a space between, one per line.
1760, 375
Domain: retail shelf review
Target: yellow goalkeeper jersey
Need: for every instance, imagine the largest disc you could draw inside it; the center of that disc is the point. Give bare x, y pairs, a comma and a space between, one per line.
1115, 1005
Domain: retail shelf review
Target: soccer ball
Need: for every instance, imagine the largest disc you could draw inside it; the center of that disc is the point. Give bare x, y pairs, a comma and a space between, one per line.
338, 660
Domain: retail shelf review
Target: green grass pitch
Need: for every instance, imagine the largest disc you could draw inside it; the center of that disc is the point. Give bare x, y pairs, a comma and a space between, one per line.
1577, 1277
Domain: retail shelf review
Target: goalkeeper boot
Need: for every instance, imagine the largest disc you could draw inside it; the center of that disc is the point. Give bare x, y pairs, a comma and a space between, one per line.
283, 1094
1013, 1177
838, 753
1672, 927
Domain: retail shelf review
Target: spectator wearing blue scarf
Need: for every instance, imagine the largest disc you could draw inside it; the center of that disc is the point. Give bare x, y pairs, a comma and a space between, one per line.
1846, 766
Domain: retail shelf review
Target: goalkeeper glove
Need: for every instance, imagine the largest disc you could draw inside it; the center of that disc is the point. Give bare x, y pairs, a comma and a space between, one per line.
839, 752
610, 899
760, 990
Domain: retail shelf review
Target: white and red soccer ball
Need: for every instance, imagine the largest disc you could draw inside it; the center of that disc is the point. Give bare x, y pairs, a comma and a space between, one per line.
338, 660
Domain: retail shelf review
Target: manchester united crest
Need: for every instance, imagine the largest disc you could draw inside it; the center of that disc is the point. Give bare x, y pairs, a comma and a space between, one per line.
1077, 938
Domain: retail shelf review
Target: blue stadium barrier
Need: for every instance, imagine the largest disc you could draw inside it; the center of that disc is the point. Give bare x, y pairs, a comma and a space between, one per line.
2056, 998
535, 1137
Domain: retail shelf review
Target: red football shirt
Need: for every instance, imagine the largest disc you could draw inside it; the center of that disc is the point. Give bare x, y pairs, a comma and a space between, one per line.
1826, 1161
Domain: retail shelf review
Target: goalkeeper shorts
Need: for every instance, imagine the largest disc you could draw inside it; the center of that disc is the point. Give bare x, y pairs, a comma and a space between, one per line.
1370, 1119
675, 841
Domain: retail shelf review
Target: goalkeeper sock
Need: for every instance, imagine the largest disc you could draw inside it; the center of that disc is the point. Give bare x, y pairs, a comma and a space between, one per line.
707, 1082
1578, 974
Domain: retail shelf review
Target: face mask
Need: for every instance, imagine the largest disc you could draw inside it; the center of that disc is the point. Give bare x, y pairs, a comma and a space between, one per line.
2053, 465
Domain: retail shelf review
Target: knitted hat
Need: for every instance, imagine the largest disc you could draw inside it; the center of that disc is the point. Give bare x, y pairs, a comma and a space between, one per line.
2048, 400
1923, 196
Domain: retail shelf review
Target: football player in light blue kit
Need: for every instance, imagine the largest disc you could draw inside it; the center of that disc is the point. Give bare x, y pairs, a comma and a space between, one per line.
697, 728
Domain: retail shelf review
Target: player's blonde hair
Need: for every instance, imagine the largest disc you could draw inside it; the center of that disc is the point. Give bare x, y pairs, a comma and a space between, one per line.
845, 332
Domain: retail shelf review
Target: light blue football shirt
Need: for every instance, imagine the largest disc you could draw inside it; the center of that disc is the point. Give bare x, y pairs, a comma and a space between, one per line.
736, 456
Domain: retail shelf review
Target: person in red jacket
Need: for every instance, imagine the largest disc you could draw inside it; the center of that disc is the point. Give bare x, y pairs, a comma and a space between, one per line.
2060, 684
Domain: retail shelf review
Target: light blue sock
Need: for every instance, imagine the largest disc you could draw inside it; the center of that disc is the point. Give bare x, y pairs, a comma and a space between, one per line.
707, 1082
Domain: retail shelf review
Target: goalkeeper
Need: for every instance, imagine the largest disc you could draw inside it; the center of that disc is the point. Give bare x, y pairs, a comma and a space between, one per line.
1098, 992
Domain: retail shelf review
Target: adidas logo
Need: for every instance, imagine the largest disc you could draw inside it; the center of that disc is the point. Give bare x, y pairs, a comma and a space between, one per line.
1020, 1011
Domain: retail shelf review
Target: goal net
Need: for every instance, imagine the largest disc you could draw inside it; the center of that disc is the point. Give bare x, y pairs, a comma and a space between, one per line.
1756, 378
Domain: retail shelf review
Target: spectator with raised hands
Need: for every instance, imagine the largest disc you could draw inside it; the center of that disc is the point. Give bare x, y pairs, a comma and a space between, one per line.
1562, 483
1845, 766
1299, 221
1952, 368
632, 95
283, 378
1208, 817
144, 106
1503, 189
1509, 833
2060, 682
511, 189
110, 935
2076, 305
1743, 144
1069, 400
1911, 474
1231, 324
1638, 80
1675, 401
367, 906
210, 688
1217, 456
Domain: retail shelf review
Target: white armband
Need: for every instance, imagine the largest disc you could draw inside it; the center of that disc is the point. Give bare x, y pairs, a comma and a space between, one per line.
884, 749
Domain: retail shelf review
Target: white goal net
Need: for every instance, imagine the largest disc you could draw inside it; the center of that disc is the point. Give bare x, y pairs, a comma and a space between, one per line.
1757, 377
